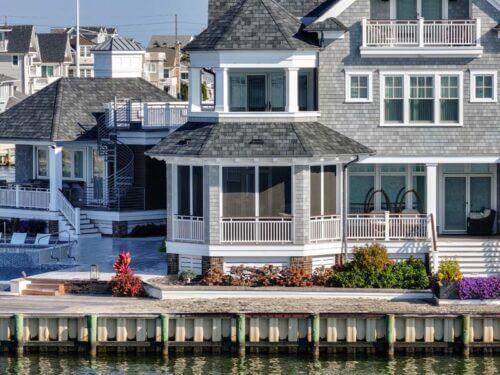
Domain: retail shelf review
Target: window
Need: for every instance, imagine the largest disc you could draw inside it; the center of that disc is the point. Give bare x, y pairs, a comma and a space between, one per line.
412, 9
184, 75
358, 86
152, 68
42, 156
166, 73
72, 164
421, 99
190, 191
483, 86
85, 73
307, 90
275, 191
85, 51
15, 60
47, 71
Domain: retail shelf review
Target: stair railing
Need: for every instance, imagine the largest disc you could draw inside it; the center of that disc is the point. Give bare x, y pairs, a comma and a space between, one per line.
71, 213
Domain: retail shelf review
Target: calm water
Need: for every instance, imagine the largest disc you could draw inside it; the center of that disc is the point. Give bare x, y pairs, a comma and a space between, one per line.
208, 365
8, 173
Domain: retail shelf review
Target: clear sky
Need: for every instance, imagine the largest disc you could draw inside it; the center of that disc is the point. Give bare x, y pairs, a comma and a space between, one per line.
134, 18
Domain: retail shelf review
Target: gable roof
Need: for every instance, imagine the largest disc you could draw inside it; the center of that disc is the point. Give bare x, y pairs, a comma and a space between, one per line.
19, 38
169, 55
248, 140
169, 40
119, 43
255, 25
53, 47
68, 109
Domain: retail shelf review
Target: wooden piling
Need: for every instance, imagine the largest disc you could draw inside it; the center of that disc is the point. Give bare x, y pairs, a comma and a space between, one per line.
164, 333
390, 335
92, 334
466, 336
315, 324
241, 334
19, 333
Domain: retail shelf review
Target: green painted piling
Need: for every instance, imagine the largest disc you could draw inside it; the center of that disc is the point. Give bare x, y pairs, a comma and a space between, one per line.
315, 324
466, 339
92, 334
241, 333
391, 334
164, 333
19, 333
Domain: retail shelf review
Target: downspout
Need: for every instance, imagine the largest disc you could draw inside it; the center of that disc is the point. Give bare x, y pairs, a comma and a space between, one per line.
344, 208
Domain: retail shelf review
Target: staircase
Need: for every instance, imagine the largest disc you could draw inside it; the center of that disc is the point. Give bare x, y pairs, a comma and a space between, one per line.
87, 228
477, 256
44, 288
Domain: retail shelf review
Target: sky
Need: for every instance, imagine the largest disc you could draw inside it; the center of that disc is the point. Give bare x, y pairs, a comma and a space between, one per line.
138, 19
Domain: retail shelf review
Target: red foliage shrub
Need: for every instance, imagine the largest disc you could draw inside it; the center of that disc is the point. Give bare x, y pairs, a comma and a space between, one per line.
321, 276
125, 283
296, 277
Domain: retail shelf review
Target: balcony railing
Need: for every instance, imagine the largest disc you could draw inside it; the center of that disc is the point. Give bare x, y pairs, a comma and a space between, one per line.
257, 230
4, 44
421, 33
325, 228
21, 197
387, 227
188, 228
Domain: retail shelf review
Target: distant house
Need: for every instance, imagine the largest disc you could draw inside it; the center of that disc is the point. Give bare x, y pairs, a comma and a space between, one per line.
55, 52
20, 55
9, 95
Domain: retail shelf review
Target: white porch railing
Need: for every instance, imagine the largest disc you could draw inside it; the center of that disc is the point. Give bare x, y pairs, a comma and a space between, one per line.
20, 197
387, 227
257, 230
72, 214
325, 228
421, 33
189, 228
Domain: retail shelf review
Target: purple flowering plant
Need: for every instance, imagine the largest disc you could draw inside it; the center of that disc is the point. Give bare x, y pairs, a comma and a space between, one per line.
479, 288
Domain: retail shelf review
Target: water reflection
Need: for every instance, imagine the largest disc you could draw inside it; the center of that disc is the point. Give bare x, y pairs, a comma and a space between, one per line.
208, 365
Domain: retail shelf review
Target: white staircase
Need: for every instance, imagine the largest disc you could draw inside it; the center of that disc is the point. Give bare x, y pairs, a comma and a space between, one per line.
87, 228
477, 256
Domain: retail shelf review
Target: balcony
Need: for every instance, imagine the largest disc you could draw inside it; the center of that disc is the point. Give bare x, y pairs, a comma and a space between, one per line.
421, 38
387, 227
258, 230
15, 196
188, 228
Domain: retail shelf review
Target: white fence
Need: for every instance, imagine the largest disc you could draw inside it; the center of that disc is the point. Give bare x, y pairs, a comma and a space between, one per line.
387, 227
189, 228
20, 197
257, 230
421, 33
71, 213
325, 228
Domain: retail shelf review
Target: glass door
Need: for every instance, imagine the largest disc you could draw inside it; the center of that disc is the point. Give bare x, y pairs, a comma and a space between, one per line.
277, 92
432, 9
406, 9
256, 93
480, 193
97, 177
455, 203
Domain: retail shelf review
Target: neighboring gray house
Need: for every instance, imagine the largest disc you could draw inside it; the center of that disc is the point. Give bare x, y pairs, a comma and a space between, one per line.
338, 123
9, 95
55, 53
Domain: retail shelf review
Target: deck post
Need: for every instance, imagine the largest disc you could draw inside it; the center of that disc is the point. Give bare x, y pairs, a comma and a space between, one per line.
92, 334
241, 334
19, 333
164, 333
466, 335
315, 324
390, 335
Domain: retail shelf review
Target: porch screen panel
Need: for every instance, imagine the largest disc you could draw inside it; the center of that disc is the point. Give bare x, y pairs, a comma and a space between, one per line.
183, 199
330, 195
432, 9
315, 191
256, 93
406, 9
480, 193
237, 93
360, 188
275, 191
238, 198
198, 191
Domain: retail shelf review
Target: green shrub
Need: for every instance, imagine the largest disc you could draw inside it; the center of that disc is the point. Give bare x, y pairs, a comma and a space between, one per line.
371, 256
163, 246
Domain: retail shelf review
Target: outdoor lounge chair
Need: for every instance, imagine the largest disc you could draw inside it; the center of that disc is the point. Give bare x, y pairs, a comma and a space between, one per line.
481, 223
42, 239
18, 238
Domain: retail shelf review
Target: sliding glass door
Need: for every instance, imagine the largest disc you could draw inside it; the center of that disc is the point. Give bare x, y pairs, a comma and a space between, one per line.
412, 9
256, 93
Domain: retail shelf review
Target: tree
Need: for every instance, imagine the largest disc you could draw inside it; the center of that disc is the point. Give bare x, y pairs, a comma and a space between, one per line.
184, 91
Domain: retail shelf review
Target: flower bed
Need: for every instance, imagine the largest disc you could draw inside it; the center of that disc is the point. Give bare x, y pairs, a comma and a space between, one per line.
482, 288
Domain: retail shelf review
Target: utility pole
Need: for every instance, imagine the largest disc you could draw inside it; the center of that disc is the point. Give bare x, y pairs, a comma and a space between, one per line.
77, 53
176, 34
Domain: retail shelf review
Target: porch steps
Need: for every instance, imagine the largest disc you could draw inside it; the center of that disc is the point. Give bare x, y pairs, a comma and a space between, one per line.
87, 228
477, 257
44, 288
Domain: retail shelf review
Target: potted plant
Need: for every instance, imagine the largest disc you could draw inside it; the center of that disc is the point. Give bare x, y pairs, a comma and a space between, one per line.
187, 276
448, 278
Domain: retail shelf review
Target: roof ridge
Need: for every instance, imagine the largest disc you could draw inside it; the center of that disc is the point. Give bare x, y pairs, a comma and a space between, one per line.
205, 144
299, 137
275, 21
57, 108
234, 11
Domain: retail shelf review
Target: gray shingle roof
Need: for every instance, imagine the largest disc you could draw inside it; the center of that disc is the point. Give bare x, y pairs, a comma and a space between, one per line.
255, 24
119, 43
69, 107
247, 140
53, 47
19, 38
168, 41
330, 24
4, 78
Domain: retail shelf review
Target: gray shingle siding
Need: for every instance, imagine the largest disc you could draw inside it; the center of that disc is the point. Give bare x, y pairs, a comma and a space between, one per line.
478, 136
24, 157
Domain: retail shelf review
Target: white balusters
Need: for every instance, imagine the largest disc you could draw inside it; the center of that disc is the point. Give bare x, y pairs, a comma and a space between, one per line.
325, 228
189, 228
256, 230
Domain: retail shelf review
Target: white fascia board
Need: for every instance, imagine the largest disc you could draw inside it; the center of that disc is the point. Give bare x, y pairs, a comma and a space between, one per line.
21, 213
254, 59
335, 10
125, 215
463, 159
436, 52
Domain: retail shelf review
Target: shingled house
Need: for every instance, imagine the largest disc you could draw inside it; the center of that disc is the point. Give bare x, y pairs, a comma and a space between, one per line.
338, 123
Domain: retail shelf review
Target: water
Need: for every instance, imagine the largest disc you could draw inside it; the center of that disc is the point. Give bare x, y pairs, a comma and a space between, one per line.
8, 173
208, 365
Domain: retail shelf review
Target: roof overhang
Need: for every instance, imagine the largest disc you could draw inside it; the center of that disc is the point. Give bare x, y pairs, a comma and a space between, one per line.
434, 52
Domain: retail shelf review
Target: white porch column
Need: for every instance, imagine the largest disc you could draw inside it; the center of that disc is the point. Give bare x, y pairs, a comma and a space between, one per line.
195, 89
340, 188
292, 90
55, 175
431, 191
221, 90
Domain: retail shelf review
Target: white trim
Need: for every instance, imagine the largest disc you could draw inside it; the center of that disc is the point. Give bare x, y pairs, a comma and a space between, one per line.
462, 159
436, 74
362, 73
313, 115
472, 84
445, 52
495, 3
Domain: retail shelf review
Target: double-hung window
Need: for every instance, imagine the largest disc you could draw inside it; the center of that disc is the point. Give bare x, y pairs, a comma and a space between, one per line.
418, 99
483, 86
47, 71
